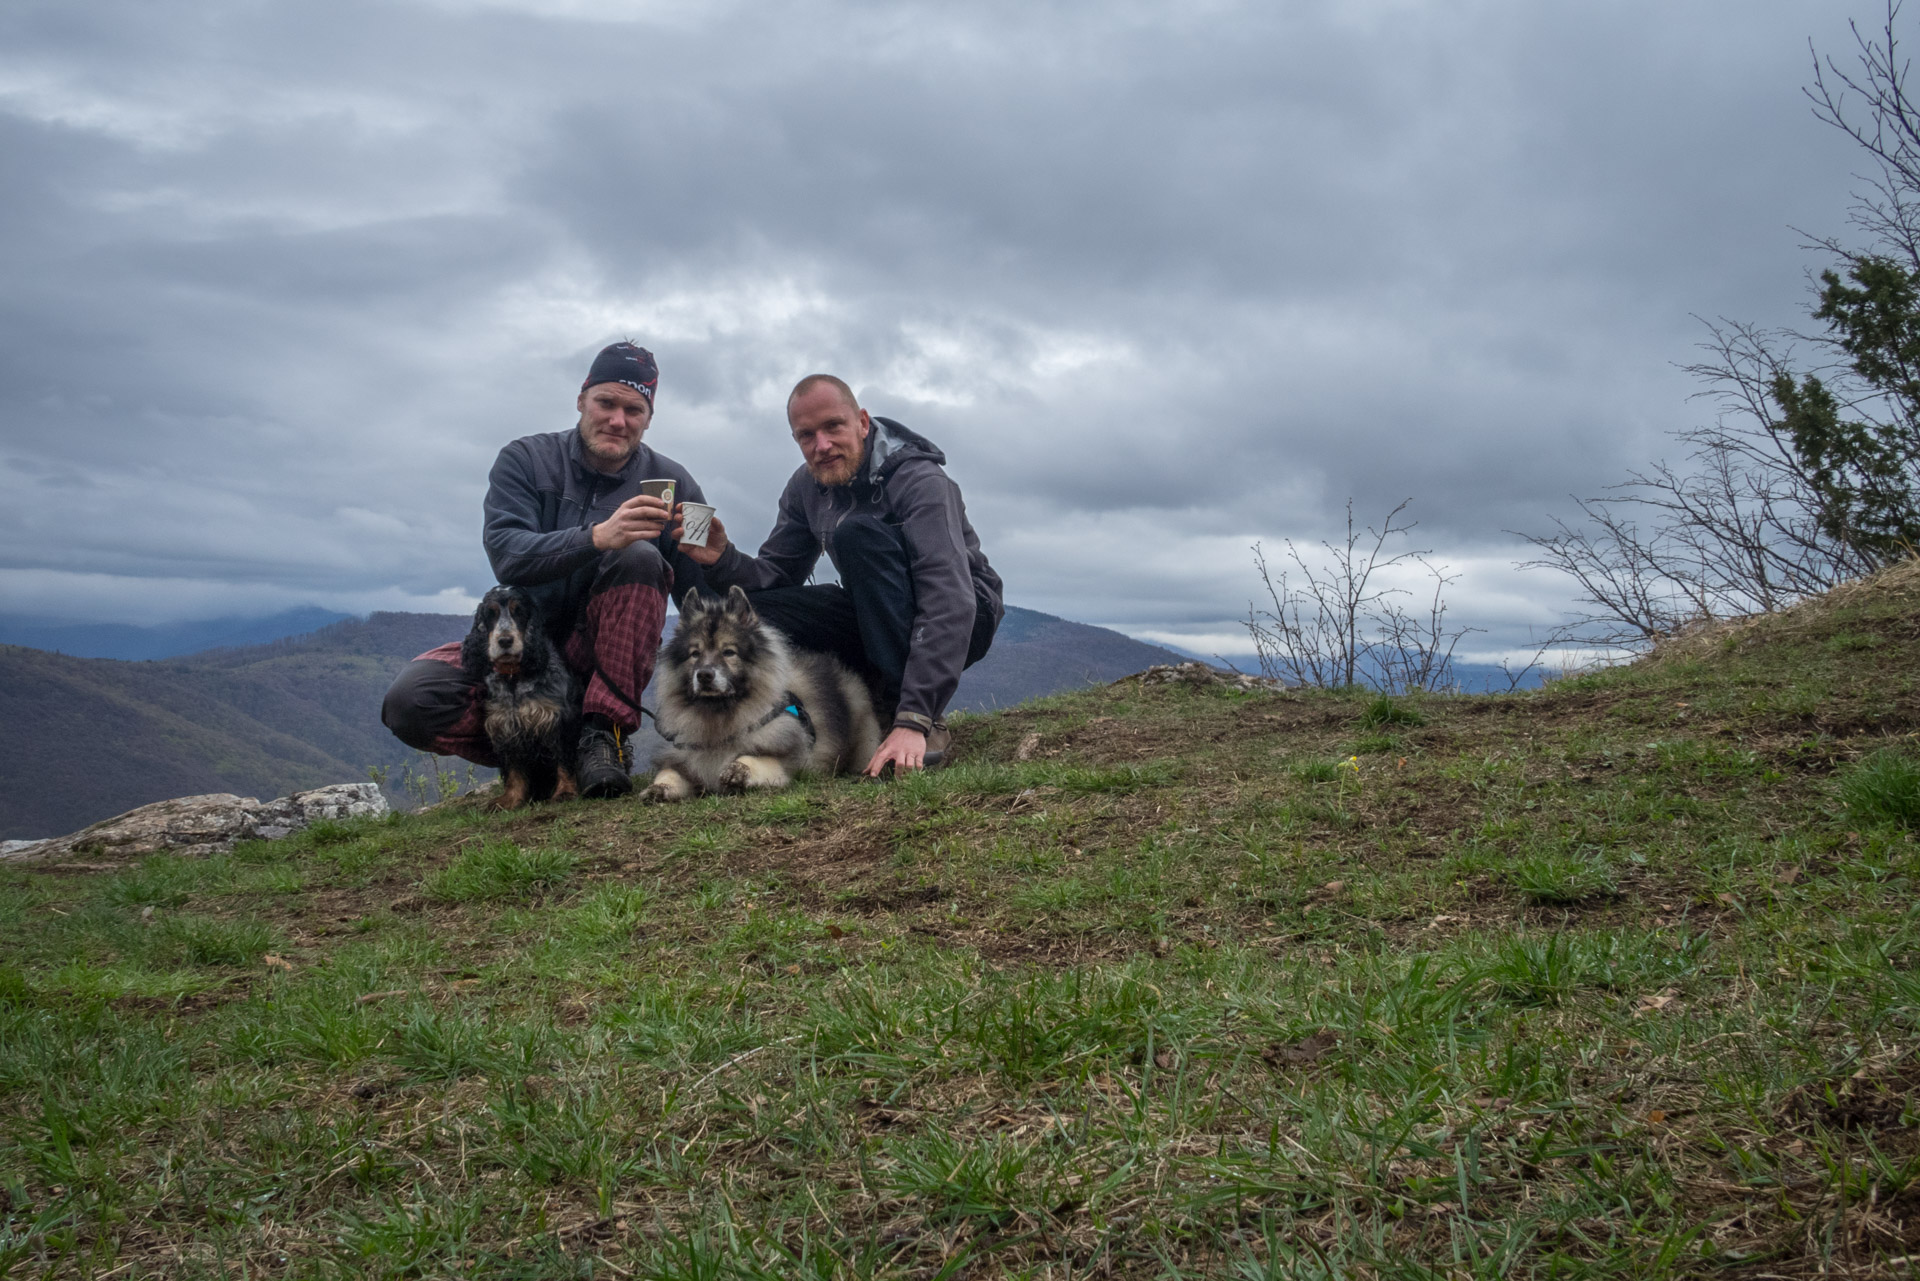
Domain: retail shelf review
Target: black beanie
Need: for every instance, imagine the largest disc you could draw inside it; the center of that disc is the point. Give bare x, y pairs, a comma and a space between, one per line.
626, 363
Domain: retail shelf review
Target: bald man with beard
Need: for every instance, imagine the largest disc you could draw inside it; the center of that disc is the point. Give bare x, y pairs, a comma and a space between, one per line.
917, 602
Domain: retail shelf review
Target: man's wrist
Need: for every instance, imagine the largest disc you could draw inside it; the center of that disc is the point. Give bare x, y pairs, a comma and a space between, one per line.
725, 566
913, 721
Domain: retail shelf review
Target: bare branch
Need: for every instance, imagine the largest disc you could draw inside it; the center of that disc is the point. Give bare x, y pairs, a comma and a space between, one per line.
1338, 630
1810, 471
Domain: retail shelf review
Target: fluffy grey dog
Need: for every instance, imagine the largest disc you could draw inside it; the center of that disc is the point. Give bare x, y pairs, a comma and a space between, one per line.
740, 709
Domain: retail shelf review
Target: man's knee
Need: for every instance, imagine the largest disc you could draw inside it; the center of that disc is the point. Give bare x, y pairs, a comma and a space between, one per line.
635, 565
426, 699
862, 539
985, 624
818, 616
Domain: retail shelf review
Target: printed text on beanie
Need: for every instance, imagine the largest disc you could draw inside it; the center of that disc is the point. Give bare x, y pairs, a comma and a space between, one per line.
626, 363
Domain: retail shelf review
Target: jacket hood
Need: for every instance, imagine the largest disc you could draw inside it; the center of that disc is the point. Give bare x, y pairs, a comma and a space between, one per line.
888, 445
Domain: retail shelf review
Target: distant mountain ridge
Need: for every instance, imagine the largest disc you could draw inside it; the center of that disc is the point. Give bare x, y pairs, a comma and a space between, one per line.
1035, 654
82, 739
159, 640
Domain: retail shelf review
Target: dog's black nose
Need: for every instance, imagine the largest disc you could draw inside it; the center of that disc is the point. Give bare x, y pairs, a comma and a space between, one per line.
703, 678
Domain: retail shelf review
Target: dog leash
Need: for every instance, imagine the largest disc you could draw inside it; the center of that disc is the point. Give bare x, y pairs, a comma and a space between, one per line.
641, 713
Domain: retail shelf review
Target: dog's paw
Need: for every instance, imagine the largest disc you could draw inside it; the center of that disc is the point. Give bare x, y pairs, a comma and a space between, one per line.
753, 772
668, 785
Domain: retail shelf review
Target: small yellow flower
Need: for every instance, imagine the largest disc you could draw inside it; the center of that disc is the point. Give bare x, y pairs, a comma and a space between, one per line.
1353, 763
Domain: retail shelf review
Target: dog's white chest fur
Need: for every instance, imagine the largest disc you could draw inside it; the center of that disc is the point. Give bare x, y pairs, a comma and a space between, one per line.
740, 710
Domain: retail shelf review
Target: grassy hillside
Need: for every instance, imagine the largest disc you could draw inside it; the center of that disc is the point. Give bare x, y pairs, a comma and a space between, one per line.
85, 739
1611, 979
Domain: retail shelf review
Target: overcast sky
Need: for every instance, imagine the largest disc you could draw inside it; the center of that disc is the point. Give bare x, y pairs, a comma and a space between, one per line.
1162, 279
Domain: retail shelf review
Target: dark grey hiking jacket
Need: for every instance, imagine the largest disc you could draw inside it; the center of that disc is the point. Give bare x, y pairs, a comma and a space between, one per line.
902, 481
543, 498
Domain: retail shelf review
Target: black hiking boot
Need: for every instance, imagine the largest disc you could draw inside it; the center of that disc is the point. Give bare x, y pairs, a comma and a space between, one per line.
605, 759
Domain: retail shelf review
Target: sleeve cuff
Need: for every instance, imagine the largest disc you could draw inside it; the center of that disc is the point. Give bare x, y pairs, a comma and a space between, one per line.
913, 720
724, 571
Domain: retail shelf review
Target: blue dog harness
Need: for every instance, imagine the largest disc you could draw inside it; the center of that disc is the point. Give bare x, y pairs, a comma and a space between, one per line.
792, 707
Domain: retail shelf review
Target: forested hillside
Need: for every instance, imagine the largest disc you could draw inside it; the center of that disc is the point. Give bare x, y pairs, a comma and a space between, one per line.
84, 739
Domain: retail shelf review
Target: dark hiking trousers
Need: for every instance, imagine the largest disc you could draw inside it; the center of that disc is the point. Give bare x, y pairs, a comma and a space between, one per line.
867, 621
433, 706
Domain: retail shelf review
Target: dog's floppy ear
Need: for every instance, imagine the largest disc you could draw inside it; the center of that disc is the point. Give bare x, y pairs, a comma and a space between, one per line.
473, 646
740, 607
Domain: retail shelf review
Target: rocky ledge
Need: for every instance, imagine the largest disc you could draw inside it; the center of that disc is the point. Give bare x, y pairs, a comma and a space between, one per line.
196, 826
1201, 674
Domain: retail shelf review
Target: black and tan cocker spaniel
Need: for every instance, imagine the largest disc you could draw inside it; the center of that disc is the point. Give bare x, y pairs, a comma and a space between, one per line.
532, 702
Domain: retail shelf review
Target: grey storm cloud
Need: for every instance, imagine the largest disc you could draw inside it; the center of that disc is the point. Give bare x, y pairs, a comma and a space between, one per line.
1163, 279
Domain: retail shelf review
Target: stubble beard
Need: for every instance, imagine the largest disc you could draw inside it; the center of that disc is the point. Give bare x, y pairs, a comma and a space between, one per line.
598, 454
840, 473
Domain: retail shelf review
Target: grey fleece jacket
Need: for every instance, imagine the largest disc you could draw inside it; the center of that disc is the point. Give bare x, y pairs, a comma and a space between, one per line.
903, 482
543, 499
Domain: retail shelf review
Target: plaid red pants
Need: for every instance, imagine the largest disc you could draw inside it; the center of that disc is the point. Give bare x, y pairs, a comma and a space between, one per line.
434, 706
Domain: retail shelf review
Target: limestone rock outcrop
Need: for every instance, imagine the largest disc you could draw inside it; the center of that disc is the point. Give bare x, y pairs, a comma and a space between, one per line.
1201, 674
196, 826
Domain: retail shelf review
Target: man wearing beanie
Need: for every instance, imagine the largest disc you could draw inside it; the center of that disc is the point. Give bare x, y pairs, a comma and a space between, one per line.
565, 519
917, 602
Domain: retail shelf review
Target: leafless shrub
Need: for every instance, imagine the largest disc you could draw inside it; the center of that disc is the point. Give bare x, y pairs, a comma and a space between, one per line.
1339, 629
1743, 529
1810, 473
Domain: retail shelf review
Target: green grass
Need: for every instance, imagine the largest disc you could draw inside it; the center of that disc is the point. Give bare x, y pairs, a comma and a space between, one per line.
498, 869
200, 940
1562, 876
1884, 788
1386, 710
1615, 979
